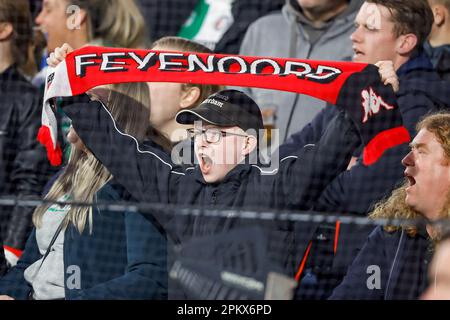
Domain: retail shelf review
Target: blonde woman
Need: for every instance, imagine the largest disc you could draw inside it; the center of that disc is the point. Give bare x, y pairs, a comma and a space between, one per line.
84, 252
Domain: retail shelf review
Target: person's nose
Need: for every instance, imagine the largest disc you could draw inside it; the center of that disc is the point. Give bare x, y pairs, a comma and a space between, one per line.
204, 139
200, 140
72, 136
39, 18
408, 161
355, 37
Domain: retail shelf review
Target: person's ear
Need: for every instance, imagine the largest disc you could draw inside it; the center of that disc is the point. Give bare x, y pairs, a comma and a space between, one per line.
6, 30
77, 18
249, 145
439, 13
189, 96
406, 43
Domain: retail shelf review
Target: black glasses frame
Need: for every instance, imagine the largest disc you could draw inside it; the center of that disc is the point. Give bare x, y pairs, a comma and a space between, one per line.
211, 132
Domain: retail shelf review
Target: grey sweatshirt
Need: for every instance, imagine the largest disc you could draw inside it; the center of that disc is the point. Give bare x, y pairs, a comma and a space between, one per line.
47, 279
287, 34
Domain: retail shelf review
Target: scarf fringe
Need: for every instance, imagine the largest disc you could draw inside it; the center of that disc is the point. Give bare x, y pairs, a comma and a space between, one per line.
54, 155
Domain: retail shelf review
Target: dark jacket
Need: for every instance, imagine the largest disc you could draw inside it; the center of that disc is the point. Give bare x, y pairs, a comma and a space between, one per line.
123, 258
399, 261
357, 190
149, 176
2, 262
440, 57
23, 164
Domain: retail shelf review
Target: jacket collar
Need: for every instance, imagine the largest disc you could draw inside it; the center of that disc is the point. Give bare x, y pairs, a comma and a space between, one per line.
236, 175
419, 61
10, 73
437, 54
422, 231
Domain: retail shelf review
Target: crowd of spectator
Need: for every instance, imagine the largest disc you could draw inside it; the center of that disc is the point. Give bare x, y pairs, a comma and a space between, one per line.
60, 250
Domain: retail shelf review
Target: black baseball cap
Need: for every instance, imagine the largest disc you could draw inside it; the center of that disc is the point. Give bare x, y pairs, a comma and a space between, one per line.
226, 108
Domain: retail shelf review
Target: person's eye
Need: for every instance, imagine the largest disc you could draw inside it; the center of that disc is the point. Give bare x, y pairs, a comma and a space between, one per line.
47, 9
421, 151
213, 133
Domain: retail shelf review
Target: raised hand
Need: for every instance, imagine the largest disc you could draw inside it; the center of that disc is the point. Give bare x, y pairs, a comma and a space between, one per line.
373, 108
57, 56
388, 74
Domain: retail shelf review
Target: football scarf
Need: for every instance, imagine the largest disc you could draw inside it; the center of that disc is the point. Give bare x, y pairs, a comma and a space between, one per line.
353, 87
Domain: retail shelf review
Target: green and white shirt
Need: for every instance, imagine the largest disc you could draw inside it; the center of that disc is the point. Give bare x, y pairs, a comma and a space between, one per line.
208, 22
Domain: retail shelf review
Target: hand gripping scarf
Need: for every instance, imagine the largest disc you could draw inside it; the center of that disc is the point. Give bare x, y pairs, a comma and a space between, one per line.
354, 87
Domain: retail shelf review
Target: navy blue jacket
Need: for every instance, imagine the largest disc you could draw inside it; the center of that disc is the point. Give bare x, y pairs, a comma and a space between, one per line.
123, 258
440, 57
399, 260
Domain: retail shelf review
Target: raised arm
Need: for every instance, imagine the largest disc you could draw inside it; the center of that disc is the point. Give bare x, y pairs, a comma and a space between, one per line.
304, 175
372, 107
146, 173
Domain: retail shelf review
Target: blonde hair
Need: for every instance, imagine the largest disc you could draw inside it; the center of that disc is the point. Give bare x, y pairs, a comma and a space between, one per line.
395, 206
115, 23
84, 175
185, 45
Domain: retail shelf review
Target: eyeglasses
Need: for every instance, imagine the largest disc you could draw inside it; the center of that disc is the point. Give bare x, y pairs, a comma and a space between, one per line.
211, 135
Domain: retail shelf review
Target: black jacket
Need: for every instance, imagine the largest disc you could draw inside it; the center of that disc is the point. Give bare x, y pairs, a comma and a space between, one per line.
399, 261
2, 262
149, 177
23, 164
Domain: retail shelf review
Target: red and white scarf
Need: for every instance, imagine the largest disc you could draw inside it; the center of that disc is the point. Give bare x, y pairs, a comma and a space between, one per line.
334, 82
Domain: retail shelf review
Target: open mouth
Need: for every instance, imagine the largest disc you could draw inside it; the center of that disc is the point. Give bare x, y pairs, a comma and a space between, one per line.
205, 163
357, 52
411, 180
